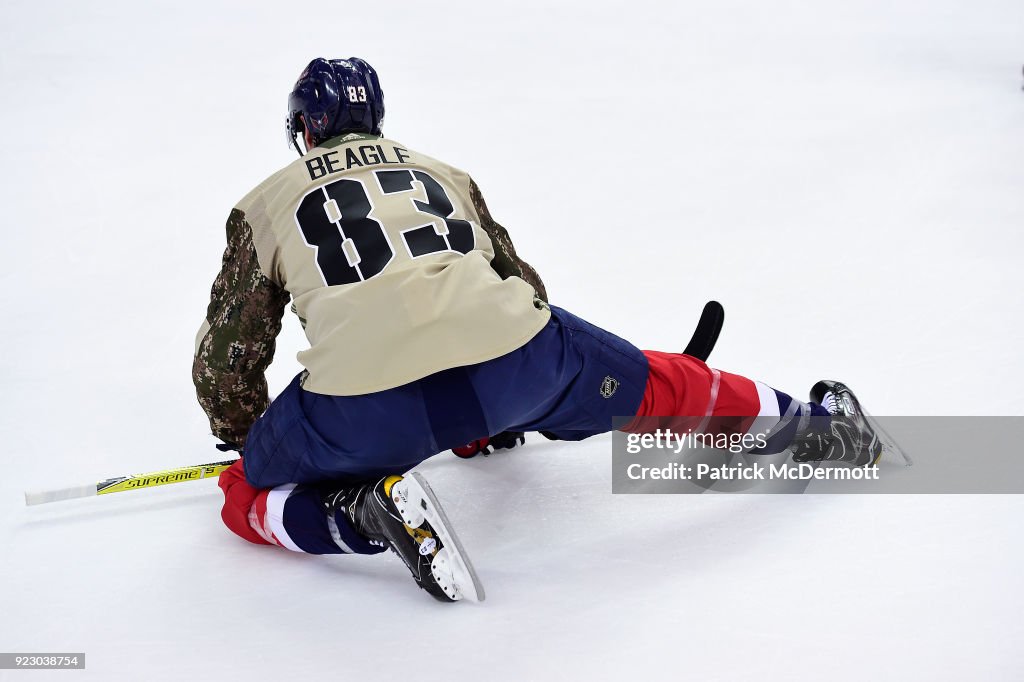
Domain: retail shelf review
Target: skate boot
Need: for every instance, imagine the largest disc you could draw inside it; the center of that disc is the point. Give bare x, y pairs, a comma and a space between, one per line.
403, 514
849, 436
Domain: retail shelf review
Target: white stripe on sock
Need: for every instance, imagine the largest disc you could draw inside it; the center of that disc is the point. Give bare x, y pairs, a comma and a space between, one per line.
332, 524
256, 523
716, 385
768, 416
275, 515
768, 399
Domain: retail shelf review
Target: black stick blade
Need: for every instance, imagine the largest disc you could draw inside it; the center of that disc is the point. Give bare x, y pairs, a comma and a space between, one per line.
706, 334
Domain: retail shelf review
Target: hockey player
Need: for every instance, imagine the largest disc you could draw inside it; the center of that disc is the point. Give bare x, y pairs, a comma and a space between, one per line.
427, 332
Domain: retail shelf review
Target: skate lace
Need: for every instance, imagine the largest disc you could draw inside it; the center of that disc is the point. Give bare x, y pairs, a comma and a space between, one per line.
817, 447
813, 448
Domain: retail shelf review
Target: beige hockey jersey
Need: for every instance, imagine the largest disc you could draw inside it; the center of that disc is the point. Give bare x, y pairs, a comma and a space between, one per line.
382, 252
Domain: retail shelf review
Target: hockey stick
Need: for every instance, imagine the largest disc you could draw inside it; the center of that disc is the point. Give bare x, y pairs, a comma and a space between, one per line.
706, 334
131, 482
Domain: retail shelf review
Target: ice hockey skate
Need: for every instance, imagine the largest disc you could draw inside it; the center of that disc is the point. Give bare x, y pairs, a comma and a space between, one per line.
403, 514
852, 436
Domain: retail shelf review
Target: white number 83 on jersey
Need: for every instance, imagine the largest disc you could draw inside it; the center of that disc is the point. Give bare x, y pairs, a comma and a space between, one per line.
356, 94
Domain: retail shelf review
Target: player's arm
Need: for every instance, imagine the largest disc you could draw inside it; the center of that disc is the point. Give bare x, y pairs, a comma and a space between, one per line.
237, 340
507, 262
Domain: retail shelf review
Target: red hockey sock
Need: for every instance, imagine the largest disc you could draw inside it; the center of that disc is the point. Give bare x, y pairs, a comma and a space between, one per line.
683, 387
245, 507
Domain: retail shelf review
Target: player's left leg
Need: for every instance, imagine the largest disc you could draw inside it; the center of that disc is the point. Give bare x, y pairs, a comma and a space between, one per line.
396, 512
289, 516
324, 475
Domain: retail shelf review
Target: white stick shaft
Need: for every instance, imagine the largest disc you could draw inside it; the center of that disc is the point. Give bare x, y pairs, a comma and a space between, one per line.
58, 494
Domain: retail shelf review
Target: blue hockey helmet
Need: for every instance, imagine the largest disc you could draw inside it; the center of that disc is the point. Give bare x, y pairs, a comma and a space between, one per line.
334, 97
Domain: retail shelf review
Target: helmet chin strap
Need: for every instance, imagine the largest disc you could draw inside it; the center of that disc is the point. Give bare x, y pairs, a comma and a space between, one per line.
306, 137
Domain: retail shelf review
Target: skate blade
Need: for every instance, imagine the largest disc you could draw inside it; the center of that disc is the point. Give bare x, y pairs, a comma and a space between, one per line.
451, 566
891, 450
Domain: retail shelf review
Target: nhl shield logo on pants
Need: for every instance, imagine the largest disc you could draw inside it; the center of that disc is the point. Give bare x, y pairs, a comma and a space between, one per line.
609, 386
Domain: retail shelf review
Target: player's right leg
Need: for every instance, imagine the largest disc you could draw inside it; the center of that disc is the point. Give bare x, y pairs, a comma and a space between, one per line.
831, 427
573, 378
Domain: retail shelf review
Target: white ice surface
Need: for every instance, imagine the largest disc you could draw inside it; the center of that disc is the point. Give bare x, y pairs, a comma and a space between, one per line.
844, 176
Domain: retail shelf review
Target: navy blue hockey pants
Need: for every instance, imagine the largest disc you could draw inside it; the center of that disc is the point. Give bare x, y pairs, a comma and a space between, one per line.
570, 379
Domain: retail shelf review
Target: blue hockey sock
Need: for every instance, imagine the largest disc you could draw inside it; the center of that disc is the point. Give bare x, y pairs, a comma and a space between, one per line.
309, 527
794, 419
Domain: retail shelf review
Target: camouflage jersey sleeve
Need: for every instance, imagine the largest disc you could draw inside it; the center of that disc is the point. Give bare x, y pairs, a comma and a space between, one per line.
507, 262
237, 340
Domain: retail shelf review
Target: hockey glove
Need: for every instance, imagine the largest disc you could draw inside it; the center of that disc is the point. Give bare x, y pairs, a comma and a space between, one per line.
502, 441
